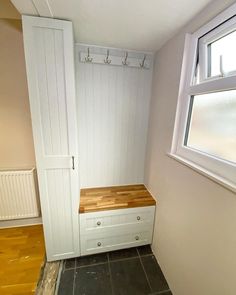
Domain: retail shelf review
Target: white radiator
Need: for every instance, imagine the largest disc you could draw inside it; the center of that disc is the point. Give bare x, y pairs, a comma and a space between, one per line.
18, 195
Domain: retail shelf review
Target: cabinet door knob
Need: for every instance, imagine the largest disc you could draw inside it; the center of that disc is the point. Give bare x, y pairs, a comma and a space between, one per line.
137, 238
138, 217
99, 244
99, 223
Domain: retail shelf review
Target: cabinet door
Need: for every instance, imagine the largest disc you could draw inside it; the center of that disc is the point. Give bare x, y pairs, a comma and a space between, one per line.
49, 54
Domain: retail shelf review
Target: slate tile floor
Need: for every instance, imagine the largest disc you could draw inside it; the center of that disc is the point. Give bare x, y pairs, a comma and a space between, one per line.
133, 271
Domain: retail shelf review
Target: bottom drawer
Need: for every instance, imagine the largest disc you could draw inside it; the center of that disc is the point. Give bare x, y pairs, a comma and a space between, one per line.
91, 244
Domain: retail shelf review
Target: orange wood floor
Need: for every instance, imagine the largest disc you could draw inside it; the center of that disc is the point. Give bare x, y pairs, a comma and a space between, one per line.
22, 253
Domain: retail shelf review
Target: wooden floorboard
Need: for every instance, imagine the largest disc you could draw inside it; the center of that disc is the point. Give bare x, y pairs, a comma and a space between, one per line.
22, 254
117, 197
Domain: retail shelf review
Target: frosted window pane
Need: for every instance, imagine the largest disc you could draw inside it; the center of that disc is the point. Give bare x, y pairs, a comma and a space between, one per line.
212, 127
226, 46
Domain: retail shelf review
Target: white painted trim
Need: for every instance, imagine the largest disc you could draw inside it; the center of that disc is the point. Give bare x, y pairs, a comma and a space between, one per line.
43, 8
33, 7
217, 166
216, 178
221, 84
185, 80
216, 21
20, 222
25, 6
114, 48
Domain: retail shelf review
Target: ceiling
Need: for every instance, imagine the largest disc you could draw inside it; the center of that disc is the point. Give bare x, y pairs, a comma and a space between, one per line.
132, 24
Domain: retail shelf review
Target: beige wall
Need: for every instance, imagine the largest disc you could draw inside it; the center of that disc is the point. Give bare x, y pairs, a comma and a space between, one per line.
16, 142
8, 10
195, 230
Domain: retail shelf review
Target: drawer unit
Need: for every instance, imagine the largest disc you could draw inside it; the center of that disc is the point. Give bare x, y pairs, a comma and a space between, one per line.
95, 221
116, 229
91, 244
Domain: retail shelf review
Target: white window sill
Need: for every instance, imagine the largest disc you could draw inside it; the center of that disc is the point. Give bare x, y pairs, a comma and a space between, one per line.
216, 178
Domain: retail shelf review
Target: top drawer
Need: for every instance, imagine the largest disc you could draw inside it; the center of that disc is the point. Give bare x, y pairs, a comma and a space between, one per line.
115, 218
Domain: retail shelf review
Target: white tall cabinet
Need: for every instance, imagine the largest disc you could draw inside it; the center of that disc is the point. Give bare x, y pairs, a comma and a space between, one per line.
49, 54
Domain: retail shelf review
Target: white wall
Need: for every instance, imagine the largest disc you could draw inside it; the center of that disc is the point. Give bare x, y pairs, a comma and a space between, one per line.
195, 230
113, 110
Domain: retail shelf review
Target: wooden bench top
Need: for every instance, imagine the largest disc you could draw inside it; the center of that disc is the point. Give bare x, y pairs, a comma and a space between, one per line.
117, 197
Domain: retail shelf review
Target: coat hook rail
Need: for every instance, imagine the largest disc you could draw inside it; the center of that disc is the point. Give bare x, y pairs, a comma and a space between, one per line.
107, 60
124, 62
88, 58
115, 58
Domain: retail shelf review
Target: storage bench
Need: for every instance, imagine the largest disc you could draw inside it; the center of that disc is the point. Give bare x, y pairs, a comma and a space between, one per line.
115, 218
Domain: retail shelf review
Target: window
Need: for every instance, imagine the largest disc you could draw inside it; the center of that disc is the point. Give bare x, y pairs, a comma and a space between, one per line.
222, 58
212, 124
217, 51
205, 127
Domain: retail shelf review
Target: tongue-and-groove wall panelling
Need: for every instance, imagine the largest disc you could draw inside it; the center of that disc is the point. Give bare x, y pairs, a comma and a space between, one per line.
113, 109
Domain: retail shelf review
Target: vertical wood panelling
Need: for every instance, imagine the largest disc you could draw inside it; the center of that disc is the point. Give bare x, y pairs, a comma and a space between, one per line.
113, 110
61, 93
61, 210
53, 100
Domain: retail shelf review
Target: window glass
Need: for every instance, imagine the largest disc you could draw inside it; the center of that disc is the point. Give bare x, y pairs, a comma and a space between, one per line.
212, 124
225, 47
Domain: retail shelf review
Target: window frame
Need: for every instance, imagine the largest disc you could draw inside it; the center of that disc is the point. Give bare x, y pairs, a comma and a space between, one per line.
217, 33
217, 169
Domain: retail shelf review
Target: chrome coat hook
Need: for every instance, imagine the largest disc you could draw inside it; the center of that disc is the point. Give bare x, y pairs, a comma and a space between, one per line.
88, 58
124, 62
107, 60
142, 64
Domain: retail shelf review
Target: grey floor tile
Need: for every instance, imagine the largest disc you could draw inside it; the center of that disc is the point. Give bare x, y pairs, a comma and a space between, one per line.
69, 263
128, 277
155, 276
144, 250
66, 282
122, 254
91, 259
93, 280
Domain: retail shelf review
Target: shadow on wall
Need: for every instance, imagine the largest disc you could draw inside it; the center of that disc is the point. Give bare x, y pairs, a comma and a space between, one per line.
13, 23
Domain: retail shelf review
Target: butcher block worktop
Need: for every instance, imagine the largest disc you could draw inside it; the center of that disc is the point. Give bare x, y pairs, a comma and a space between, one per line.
117, 197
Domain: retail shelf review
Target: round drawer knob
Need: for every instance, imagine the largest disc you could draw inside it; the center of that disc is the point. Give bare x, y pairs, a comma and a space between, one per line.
99, 244
99, 223
138, 217
137, 238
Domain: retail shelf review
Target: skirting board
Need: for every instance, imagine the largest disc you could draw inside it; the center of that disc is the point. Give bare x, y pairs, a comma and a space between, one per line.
20, 222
